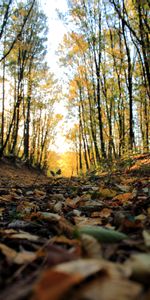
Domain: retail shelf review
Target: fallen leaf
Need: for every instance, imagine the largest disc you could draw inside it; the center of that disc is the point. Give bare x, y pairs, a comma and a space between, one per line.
8, 232
107, 193
20, 224
123, 188
82, 221
146, 236
53, 284
26, 207
140, 266
83, 267
55, 254
25, 235
58, 207
102, 234
127, 180
8, 252
146, 190
129, 224
105, 287
17, 257
104, 213
2, 209
46, 216
64, 240
6, 198
91, 247
57, 197
148, 211
29, 193
73, 203
39, 194
124, 197
140, 217
25, 257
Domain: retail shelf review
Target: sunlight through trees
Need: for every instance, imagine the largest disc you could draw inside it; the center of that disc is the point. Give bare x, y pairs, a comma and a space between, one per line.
104, 56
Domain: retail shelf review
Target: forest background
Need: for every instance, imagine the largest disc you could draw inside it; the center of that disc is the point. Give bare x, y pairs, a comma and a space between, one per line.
106, 84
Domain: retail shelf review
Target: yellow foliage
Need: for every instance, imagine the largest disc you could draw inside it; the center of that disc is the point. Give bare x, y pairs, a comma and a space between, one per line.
53, 160
67, 163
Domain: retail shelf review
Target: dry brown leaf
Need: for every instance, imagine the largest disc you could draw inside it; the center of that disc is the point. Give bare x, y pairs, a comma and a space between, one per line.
85, 267
111, 276
14, 234
2, 209
107, 193
140, 266
53, 284
6, 198
65, 226
128, 180
74, 244
25, 257
140, 217
80, 221
84, 198
123, 188
107, 288
8, 252
128, 224
57, 208
146, 236
39, 194
25, 235
91, 246
62, 239
50, 217
89, 266
104, 213
73, 203
55, 254
8, 232
148, 211
17, 257
26, 207
124, 197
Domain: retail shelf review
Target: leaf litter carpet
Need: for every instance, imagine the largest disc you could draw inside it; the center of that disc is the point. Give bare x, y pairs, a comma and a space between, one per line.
75, 238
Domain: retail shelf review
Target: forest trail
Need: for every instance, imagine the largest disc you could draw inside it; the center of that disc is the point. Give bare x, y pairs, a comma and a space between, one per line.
39, 217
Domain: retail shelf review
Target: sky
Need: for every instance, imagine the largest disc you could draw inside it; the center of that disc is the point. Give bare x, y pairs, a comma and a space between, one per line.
56, 32
56, 28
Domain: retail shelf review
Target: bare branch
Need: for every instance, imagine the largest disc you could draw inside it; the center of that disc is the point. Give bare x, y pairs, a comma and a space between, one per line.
5, 18
19, 33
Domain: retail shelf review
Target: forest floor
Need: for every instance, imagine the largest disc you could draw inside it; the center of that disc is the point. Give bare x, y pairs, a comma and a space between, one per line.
75, 238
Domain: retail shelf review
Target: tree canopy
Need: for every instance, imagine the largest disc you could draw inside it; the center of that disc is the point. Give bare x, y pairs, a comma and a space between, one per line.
105, 55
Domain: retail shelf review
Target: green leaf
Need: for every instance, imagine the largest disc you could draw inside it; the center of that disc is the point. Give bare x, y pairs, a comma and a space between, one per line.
101, 234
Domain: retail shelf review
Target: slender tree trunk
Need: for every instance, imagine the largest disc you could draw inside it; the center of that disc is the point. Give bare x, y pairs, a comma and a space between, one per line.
83, 128
98, 74
27, 120
3, 106
129, 87
93, 123
144, 40
80, 142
